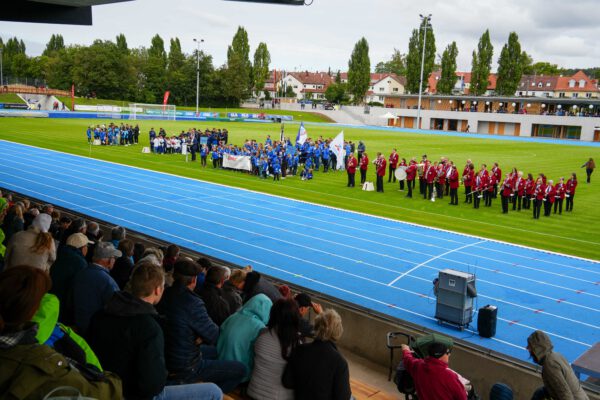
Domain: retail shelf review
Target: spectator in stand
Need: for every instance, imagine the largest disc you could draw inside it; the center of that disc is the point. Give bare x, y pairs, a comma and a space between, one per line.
305, 304
154, 255
434, 380
232, 289
256, 284
171, 255
117, 233
63, 224
138, 252
77, 226
70, 260
187, 327
3, 208
272, 350
500, 391
95, 235
34, 247
13, 222
239, 332
93, 286
124, 264
212, 294
29, 370
317, 371
559, 379
205, 265
129, 340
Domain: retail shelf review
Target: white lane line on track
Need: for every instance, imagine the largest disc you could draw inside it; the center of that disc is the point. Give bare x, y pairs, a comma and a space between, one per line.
235, 240
433, 258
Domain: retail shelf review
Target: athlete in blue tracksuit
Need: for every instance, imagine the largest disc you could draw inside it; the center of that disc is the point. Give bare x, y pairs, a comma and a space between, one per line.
317, 157
89, 135
276, 169
325, 159
215, 157
203, 154
264, 167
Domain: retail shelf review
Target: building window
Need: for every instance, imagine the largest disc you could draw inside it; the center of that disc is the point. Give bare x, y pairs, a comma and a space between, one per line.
381, 89
380, 98
581, 83
575, 95
295, 86
588, 95
532, 84
572, 83
540, 85
395, 89
548, 84
561, 95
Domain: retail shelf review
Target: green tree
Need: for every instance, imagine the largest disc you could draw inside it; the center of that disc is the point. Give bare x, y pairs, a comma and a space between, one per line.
448, 77
336, 93
179, 81
359, 71
260, 68
510, 66
55, 44
396, 65
414, 56
155, 70
481, 65
122, 43
543, 68
238, 58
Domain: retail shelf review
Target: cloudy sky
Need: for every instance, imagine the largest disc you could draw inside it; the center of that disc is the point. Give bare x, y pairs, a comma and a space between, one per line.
322, 35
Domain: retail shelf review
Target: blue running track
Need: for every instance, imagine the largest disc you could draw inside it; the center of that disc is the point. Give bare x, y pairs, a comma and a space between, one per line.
380, 264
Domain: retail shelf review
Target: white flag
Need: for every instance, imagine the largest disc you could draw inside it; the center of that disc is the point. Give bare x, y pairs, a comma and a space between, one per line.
337, 147
302, 134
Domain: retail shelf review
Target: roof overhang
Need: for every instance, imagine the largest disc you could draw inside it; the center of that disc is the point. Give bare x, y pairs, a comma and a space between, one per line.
72, 12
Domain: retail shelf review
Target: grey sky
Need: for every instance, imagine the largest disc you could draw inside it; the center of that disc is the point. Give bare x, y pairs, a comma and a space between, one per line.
322, 35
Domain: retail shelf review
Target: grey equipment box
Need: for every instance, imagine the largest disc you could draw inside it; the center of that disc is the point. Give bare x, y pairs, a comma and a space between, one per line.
456, 291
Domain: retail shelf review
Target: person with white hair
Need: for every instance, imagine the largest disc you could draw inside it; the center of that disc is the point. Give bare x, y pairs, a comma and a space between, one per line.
34, 247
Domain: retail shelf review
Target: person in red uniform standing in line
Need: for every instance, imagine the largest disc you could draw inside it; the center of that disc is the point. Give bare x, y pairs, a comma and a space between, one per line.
559, 197
497, 172
380, 163
469, 182
351, 169
549, 194
402, 164
430, 174
491, 186
453, 183
364, 165
507, 191
570, 191
434, 380
518, 190
393, 165
411, 173
538, 197
529, 187
441, 178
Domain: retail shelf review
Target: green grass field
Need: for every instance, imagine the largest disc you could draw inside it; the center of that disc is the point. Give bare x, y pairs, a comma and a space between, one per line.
576, 233
298, 115
10, 98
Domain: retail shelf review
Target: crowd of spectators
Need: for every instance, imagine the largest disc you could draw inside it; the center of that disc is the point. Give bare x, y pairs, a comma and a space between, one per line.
114, 319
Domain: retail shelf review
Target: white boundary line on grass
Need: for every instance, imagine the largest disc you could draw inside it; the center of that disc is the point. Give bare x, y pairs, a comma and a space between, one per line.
332, 207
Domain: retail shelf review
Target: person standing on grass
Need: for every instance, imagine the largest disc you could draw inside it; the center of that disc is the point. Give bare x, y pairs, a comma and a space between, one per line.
411, 173
364, 165
453, 182
538, 197
589, 165
570, 191
393, 165
507, 191
351, 169
559, 195
380, 164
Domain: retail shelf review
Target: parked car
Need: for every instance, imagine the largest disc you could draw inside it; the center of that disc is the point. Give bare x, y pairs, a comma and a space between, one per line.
328, 106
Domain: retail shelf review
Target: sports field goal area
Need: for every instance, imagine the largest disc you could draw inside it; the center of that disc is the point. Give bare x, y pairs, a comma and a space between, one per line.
152, 111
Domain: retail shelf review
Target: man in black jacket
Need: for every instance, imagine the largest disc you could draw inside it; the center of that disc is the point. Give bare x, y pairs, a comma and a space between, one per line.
212, 294
128, 340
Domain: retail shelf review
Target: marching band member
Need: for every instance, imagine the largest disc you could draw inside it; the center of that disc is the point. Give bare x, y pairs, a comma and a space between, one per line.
507, 191
411, 173
469, 181
549, 194
478, 186
430, 174
364, 165
570, 191
529, 187
453, 184
492, 184
402, 164
560, 190
538, 196
421, 168
351, 169
518, 190
380, 164
497, 172
393, 165
440, 185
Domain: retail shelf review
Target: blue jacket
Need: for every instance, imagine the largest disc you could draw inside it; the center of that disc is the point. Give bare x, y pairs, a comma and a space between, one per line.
186, 321
240, 330
92, 288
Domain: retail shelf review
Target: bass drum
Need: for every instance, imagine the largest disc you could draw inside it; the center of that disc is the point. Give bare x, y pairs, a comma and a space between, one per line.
400, 173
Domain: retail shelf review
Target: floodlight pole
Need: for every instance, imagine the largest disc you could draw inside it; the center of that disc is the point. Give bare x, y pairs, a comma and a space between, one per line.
198, 71
425, 19
1, 66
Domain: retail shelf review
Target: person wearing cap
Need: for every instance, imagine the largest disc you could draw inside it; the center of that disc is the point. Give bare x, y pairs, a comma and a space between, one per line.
305, 304
187, 326
33, 247
559, 379
434, 380
70, 259
93, 286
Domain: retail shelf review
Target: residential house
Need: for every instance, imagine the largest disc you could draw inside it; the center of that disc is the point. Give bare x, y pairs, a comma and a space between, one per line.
308, 85
381, 86
462, 85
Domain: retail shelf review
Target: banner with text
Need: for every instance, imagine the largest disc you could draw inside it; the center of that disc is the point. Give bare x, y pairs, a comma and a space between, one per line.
237, 162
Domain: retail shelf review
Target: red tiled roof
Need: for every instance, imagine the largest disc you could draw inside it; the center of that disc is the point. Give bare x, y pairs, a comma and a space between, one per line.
376, 77
532, 82
436, 75
563, 83
314, 78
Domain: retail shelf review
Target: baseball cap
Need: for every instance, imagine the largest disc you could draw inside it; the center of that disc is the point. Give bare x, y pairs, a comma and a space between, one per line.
303, 300
106, 250
78, 240
186, 267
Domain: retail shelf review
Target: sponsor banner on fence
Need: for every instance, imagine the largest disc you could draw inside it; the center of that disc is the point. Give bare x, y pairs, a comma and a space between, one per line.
102, 108
260, 116
237, 162
14, 106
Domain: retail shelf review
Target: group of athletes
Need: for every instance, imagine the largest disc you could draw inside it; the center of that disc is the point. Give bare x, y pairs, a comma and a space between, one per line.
443, 178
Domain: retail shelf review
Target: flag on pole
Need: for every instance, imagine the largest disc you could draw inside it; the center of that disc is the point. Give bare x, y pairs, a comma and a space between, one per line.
337, 147
282, 136
302, 134
73, 97
165, 100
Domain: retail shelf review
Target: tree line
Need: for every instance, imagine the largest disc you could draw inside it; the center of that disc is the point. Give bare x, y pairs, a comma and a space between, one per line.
111, 70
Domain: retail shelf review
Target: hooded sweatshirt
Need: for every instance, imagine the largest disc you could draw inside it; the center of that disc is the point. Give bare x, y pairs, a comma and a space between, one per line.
558, 376
240, 330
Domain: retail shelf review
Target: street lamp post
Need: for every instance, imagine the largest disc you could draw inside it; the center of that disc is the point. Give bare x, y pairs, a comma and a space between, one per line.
425, 19
198, 71
1, 65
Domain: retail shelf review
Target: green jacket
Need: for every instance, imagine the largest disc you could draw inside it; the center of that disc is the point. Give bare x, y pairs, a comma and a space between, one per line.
47, 319
30, 371
558, 376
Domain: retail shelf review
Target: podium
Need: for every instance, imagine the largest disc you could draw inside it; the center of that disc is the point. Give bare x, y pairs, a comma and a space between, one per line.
455, 294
